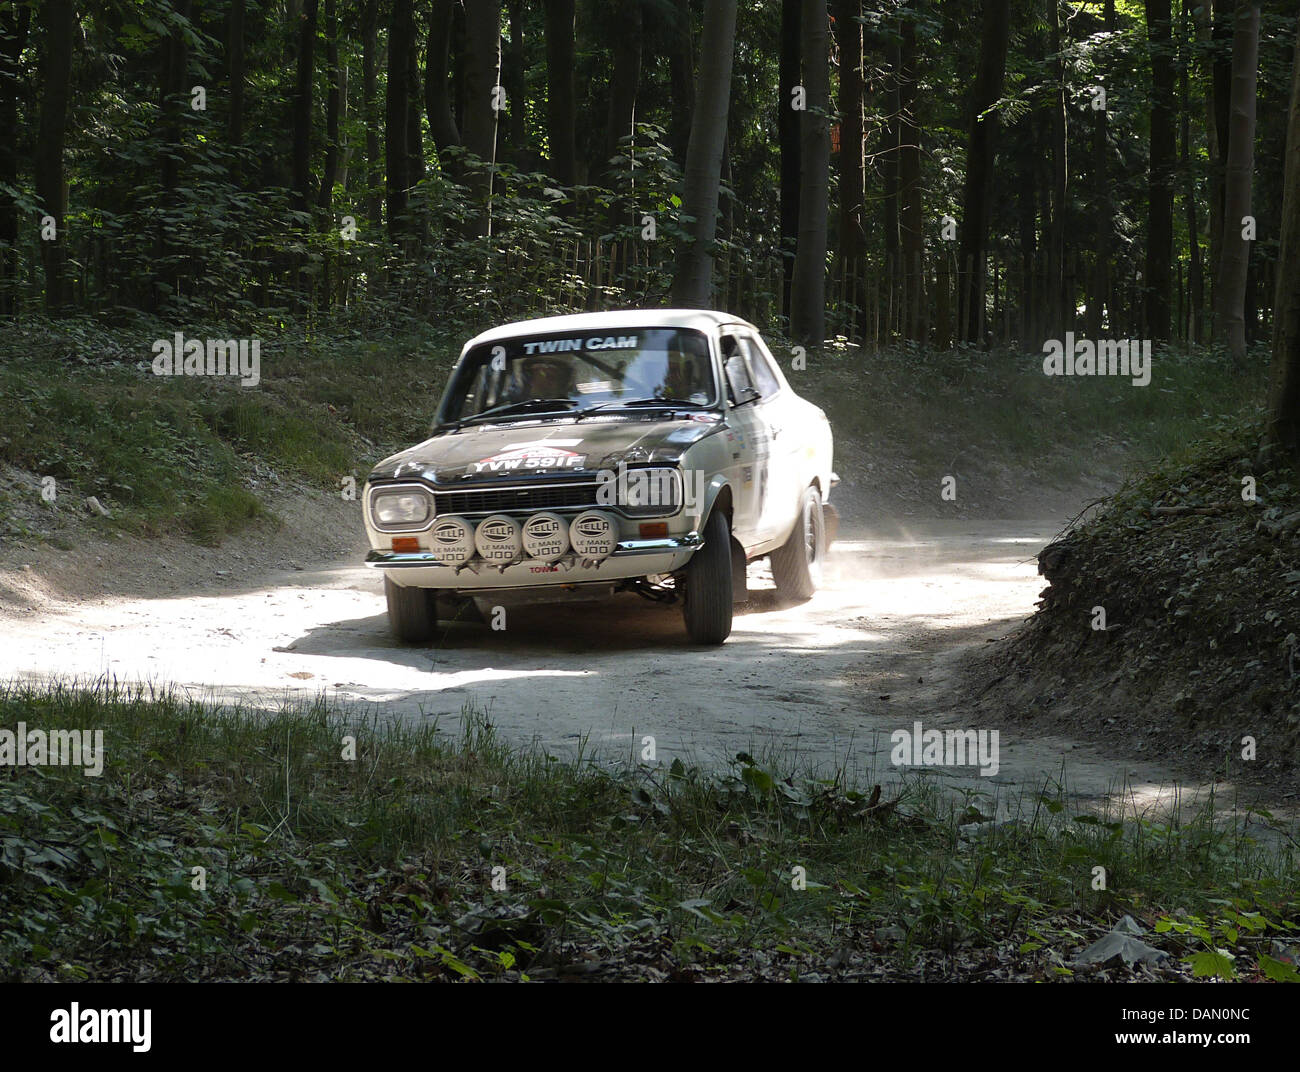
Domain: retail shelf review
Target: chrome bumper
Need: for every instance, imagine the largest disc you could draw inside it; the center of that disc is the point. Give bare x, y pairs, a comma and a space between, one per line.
692, 541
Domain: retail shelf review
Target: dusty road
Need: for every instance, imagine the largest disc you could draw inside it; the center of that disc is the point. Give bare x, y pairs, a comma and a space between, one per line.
821, 685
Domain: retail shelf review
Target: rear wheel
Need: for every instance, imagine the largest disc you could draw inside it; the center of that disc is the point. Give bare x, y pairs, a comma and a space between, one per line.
797, 564
411, 614
706, 603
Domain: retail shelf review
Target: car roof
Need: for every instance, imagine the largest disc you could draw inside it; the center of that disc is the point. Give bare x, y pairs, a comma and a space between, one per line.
700, 319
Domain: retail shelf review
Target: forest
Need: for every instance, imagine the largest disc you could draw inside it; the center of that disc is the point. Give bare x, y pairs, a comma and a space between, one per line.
939, 214
898, 171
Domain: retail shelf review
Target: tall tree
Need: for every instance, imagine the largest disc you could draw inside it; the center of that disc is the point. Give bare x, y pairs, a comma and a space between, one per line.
561, 96
514, 78
437, 89
1230, 289
910, 228
401, 28
302, 106
808, 287
1103, 220
625, 77
1195, 275
681, 75
1057, 300
15, 20
852, 225
414, 110
693, 281
787, 125
58, 24
369, 96
235, 72
482, 70
1158, 278
330, 170
978, 194
1284, 396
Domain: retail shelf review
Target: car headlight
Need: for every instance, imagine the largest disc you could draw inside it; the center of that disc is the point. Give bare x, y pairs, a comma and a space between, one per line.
399, 507
649, 492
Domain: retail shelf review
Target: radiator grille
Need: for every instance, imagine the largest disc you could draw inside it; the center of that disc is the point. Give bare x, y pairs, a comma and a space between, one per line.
522, 499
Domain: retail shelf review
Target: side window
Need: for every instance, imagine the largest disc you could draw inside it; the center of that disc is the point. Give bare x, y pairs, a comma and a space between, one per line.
738, 382
764, 379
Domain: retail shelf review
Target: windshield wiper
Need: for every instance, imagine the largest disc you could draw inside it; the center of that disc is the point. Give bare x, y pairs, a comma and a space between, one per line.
521, 407
675, 403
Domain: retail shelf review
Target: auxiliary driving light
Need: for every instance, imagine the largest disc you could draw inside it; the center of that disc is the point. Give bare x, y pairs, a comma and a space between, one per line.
498, 539
453, 540
594, 535
546, 537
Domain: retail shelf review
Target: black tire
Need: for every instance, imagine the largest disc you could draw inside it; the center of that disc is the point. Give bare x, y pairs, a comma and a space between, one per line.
706, 603
411, 614
797, 564
832, 524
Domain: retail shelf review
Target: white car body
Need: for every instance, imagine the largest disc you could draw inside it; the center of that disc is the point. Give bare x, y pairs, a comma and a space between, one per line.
746, 445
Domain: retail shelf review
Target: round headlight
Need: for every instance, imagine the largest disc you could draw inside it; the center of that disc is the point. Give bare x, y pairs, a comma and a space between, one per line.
400, 507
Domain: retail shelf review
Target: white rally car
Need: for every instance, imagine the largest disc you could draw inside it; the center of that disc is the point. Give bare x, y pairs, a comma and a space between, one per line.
577, 456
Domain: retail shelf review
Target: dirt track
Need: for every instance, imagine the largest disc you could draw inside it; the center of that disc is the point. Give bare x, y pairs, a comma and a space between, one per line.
823, 684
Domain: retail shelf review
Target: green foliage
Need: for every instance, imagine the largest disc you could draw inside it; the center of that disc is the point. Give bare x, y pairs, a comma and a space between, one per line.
317, 866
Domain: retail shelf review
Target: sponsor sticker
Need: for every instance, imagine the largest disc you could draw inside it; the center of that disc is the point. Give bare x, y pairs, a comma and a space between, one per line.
531, 456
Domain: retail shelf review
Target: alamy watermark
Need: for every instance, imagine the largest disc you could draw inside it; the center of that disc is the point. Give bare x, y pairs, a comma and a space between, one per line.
919, 747
57, 748
209, 357
1105, 357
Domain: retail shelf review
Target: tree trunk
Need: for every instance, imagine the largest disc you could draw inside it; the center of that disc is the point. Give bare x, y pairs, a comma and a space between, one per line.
14, 24
977, 198
235, 68
889, 170
482, 67
1195, 273
852, 226
681, 74
1160, 184
787, 124
515, 81
58, 24
437, 88
1057, 319
808, 288
1230, 290
414, 129
693, 281
561, 97
910, 226
1284, 397
623, 81
369, 93
329, 173
302, 106
400, 30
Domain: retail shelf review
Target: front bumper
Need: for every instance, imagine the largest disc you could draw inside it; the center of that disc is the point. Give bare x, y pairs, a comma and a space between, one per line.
631, 558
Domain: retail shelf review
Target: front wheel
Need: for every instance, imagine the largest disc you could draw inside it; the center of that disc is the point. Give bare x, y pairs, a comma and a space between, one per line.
797, 564
706, 603
411, 614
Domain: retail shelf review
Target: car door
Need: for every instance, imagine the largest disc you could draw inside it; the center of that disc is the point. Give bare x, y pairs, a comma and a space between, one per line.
781, 483
748, 443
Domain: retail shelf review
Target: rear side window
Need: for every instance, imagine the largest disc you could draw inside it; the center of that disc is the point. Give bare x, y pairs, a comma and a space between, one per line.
761, 369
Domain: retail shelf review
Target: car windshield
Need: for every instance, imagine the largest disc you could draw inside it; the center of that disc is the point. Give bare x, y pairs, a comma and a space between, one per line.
567, 373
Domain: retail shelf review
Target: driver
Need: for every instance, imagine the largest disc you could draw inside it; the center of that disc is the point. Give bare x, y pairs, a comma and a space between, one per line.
544, 377
679, 382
